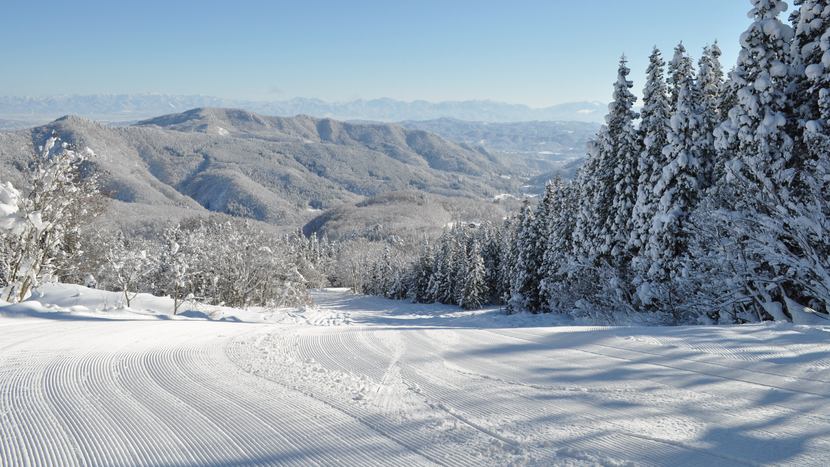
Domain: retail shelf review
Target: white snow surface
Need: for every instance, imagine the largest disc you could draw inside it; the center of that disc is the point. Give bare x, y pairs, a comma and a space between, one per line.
357, 380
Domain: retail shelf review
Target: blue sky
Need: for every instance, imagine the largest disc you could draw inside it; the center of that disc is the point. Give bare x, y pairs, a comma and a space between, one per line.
538, 53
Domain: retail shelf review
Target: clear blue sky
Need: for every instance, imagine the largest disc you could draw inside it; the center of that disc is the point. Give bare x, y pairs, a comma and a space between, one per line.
538, 53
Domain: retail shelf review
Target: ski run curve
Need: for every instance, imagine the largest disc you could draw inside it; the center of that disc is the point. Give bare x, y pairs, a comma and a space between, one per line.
363, 381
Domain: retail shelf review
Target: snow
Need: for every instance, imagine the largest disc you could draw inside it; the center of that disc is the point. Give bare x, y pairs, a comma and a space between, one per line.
774, 28
778, 69
9, 208
814, 71
358, 380
762, 83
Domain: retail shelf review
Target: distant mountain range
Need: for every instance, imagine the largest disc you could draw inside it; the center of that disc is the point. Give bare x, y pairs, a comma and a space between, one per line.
21, 112
280, 170
554, 141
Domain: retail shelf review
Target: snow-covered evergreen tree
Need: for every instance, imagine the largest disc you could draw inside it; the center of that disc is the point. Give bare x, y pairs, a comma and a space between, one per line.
654, 127
787, 217
710, 80
679, 188
810, 90
711, 84
440, 283
533, 246
754, 132
559, 245
490, 240
509, 257
422, 270
609, 176
475, 290
462, 241
626, 178
675, 76
765, 181
524, 288
810, 24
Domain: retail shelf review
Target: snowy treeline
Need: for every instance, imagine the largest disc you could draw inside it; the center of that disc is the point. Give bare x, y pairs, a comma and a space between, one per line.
457, 271
216, 261
711, 205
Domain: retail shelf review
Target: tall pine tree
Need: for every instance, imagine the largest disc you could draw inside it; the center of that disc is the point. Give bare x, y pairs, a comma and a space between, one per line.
679, 187
711, 84
559, 244
524, 276
755, 132
609, 176
654, 128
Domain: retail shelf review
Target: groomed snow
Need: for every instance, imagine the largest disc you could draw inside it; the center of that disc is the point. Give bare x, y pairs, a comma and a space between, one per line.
367, 381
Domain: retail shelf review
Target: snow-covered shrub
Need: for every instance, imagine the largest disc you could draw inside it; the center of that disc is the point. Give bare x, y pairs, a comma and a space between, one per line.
237, 265
775, 258
131, 268
214, 261
40, 227
176, 266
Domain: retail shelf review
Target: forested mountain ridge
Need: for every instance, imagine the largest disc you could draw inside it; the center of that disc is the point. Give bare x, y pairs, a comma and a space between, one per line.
273, 169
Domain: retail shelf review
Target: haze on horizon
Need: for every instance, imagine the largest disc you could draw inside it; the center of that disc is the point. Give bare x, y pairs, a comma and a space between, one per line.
537, 53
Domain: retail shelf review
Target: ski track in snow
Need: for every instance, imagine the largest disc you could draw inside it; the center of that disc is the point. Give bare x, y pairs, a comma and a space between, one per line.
365, 381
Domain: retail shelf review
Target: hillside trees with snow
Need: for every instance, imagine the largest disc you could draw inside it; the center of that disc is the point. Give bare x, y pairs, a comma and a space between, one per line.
772, 209
714, 209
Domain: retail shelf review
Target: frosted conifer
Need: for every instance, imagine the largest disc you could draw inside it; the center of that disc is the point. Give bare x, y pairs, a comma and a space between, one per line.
421, 273
779, 217
440, 282
811, 88
679, 188
490, 241
475, 290
711, 84
654, 128
674, 76
558, 247
609, 176
810, 23
523, 277
754, 133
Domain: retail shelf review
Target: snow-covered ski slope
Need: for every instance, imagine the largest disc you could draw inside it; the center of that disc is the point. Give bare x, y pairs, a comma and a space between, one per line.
365, 381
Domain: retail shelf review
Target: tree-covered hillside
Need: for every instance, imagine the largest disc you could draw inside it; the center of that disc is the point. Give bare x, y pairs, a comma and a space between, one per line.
273, 169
